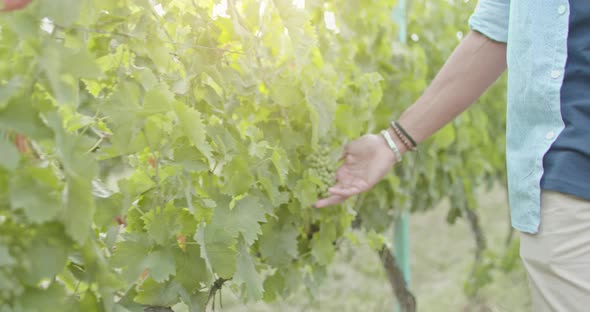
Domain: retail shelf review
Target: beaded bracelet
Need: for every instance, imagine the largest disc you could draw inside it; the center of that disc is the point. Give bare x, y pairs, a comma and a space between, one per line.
408, 141
391, 144
402, 138
406, 134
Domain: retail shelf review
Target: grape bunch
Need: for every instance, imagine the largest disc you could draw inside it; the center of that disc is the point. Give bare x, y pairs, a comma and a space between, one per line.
322, 167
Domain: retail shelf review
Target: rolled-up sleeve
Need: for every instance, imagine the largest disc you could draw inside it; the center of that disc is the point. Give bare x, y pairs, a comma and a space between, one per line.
491, 19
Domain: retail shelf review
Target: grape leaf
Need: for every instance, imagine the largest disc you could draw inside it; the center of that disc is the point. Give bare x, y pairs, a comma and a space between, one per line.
38, 199
238, 177
243, 219
157, 100
246, 273
219, 238
190, 268
270, 183
47, 259
63, 12
281, 163
122, 109
193, 127
161, 264
321, 101
273, 286
159, 54
20, 116
79, 209
71, 150
303, 39
5, 258
278, 245
158, 294
371, 81
9, 157
188, 157
146, 77
89, 302
161, 224
65, 87
8, 282
9, 89
218, 249
81, 64
52, 299
306, 192
322, 248
130, 256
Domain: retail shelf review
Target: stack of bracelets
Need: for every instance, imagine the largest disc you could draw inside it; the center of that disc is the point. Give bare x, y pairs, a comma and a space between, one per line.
404, 137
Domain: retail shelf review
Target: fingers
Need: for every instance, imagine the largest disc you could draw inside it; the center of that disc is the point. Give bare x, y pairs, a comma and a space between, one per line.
335, 198
343, 155
344, 191
338, 194
345, 152
329, 201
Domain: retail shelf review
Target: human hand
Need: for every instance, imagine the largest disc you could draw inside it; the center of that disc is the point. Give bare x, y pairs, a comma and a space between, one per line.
12, 5
366, 161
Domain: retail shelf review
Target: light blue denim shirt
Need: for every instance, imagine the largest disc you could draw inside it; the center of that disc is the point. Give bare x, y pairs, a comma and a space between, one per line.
536, 34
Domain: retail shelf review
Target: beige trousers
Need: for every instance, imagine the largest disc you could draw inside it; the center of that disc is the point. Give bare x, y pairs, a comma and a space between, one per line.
557, 258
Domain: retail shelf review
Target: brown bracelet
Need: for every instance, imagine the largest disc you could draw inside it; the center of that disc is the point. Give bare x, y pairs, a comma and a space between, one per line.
406, 134
402, 137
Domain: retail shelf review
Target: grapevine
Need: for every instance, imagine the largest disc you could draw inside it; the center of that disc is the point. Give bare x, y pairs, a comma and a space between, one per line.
151, 149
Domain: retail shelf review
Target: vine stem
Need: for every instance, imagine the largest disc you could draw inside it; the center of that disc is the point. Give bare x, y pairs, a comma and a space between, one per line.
98, 142
480, 239
157, 167
480, 242
158, 309
406, 299
217, 285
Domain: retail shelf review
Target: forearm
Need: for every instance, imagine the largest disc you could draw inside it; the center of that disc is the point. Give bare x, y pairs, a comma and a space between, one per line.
474, 66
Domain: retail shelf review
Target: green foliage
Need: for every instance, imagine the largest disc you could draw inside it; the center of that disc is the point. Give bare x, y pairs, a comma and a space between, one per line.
149, 150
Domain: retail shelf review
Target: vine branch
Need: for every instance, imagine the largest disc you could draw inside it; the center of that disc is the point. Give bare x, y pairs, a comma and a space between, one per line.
158, 309
405, 298
217, 285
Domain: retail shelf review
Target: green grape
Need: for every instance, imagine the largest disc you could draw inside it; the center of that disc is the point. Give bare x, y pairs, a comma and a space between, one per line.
322, 166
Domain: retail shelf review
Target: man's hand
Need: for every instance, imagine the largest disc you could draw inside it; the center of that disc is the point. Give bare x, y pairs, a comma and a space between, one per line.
366, 161
12, 5
474, 65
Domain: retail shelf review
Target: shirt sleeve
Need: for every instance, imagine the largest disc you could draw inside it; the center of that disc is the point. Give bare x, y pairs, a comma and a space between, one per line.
491, 19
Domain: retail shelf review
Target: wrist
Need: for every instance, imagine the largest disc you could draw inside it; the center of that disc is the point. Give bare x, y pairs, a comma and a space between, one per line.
396, 139
391, 147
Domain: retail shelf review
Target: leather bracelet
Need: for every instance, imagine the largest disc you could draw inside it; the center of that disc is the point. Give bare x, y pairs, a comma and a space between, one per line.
406, 134
401, 135
402, 138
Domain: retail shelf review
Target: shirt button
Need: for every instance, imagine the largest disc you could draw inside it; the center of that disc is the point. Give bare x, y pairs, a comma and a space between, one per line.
561, 9
550, 135
555, 74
